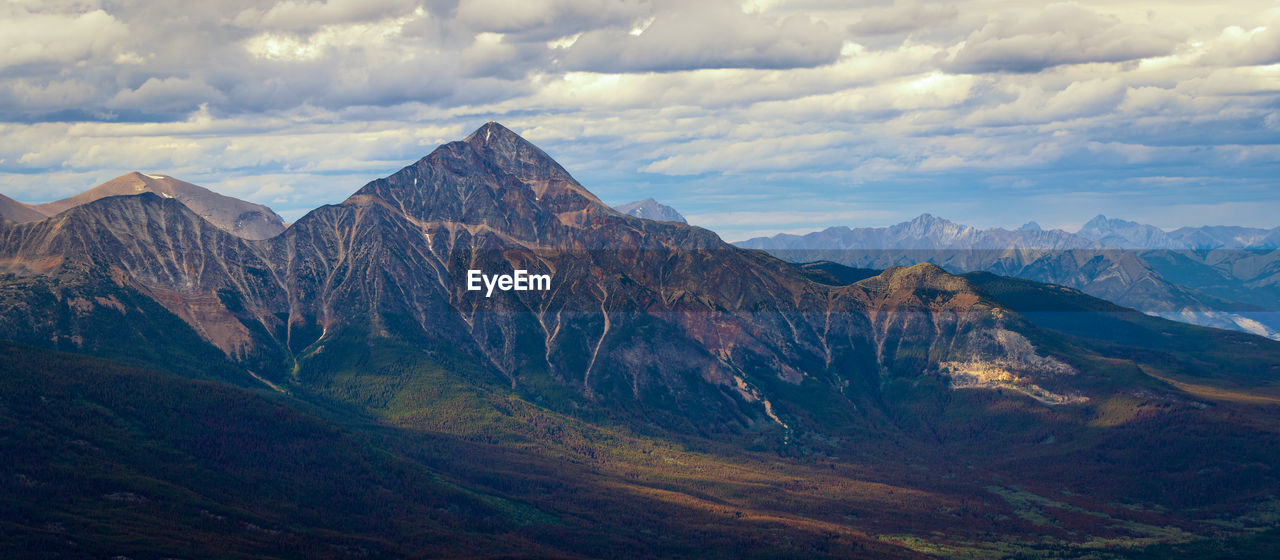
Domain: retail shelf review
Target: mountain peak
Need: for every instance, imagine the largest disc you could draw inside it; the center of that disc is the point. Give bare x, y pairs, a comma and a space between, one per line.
1124, 234
492, 132
520, 158
926, 222
929, 219
14, 211
917, 276
1031, 226
1100, 223
238, 217
1103, 223
515, 155
499, 142
493, 177
651, 209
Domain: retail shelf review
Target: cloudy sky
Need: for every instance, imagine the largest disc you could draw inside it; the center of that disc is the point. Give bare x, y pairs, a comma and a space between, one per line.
751, 118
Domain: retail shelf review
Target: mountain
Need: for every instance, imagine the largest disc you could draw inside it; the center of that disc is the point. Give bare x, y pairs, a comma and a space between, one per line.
1123, 234
1236, 264
1051, 256
240, 218
14, 211
835, 274
650, 209
924, 233
667, 395
1226, 237
391, 259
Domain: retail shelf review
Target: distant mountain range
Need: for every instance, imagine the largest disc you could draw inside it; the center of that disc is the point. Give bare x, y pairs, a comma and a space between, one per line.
1213, 276
651, 209
338, 389
1122, 234
930, 232
237, 217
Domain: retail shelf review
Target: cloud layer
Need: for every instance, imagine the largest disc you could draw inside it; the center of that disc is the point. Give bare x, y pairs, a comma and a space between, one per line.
988, 112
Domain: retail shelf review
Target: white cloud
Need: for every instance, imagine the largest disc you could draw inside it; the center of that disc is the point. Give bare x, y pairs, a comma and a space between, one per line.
1035, 105
329, 39
491, 55
298, 103
41, 38
904, 15
680, 39
167, 95
294, 15
48, 95
1237, 46
1064, 33
544, 20
739, 154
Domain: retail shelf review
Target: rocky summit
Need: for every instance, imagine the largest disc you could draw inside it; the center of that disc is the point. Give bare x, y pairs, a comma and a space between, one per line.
392, 261
651, 209
240, 218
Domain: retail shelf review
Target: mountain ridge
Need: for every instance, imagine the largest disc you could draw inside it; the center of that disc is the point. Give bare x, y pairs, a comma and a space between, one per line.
493, 202
240, 218
946, 405
651, 209
14, 211
1133, 278
1124, 234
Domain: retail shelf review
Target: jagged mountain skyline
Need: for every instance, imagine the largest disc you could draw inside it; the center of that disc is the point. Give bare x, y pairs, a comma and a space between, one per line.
1114, 232
1127, 279
235, 216
1225, 277
387, 262
651, 334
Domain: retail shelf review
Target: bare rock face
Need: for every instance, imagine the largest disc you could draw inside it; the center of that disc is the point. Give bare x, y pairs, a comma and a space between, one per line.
240, 218
93, 256
655, 317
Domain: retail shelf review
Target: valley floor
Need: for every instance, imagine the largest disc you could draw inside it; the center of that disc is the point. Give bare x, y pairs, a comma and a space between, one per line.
108, 460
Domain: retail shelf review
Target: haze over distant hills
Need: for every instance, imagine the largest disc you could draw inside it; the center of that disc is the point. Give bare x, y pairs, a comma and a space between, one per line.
240, 218
651, 209
1236, 286
1123, 234
929, 232
669, 395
